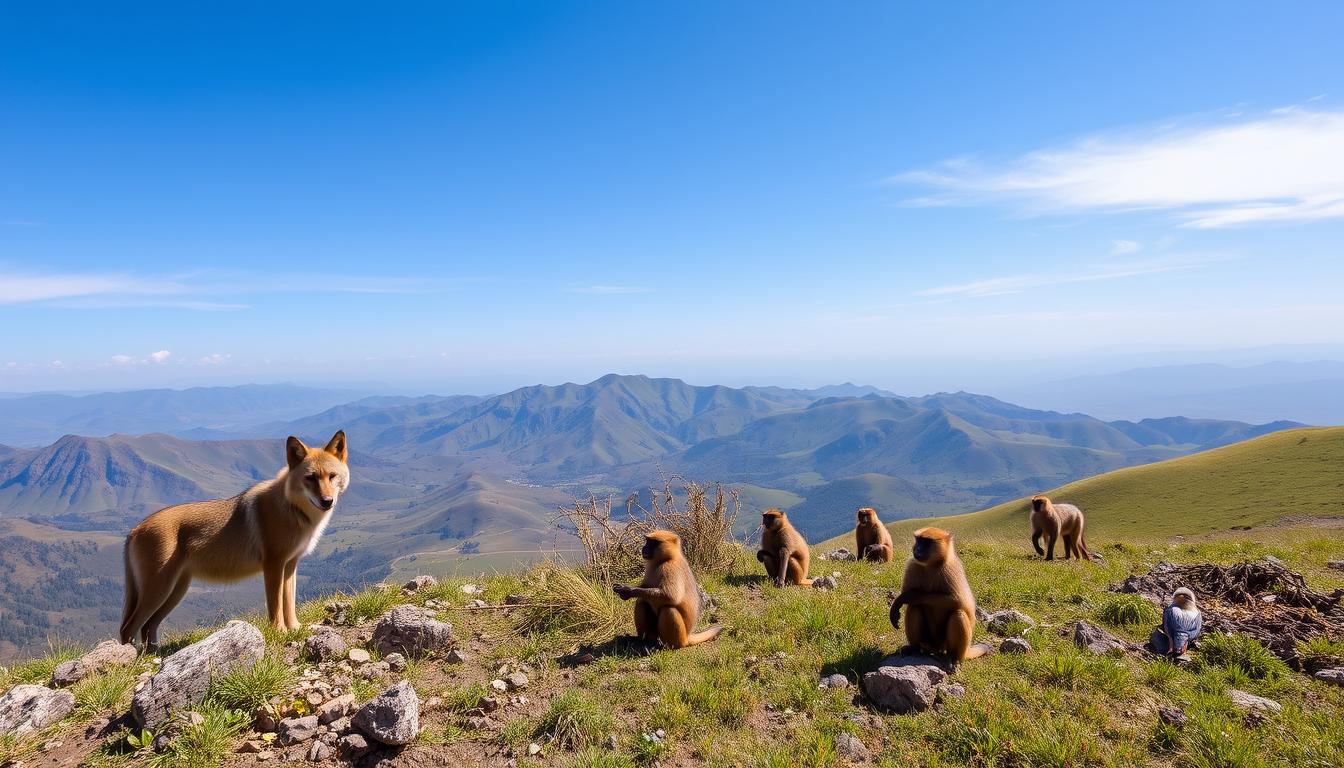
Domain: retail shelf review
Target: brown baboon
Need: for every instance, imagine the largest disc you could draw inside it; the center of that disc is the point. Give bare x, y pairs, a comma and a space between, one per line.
783, 550
940, 609
266, 528
872, 539
1055, 520
667, 601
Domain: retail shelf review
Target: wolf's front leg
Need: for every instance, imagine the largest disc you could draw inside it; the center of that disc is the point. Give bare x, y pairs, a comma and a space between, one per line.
273, 573
291, 607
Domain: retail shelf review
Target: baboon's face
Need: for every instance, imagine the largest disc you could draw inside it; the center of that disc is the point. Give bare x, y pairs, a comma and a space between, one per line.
1038, 505
772, 520
865, 517
923, 548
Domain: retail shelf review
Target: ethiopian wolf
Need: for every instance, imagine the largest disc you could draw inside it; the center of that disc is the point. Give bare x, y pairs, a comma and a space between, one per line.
266, 528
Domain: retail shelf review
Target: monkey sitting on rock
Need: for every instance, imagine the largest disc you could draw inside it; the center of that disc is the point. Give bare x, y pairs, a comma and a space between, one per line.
667, 601
940, 609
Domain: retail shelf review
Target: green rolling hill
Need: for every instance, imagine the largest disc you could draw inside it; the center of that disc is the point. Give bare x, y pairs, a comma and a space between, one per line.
1289, 477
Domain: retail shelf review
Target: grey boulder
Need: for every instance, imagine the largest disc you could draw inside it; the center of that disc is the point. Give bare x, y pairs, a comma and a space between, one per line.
409, 631
185, 676
28, 708
393, 717
908, 684
1094, 639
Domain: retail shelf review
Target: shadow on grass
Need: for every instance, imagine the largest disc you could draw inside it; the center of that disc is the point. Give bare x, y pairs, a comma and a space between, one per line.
745, 579
860, 660
621, 646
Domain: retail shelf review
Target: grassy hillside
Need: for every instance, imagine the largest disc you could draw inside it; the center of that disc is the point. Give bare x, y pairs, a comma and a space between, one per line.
751, 699
1291, 476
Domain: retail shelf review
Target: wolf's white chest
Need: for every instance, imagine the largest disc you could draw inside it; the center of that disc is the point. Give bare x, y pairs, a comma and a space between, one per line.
317, 534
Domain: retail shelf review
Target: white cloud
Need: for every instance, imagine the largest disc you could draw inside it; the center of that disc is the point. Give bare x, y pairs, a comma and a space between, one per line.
609, 290
1001, 286
1123, 247
160, 356
122, 359
86, 290
1284, 166
215, 359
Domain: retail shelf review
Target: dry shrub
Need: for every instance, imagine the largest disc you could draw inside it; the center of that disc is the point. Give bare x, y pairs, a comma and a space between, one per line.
703, 516
566, 600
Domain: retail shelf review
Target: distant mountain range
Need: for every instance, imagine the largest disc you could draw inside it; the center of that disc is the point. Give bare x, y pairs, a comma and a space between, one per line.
1309, 392
444, 483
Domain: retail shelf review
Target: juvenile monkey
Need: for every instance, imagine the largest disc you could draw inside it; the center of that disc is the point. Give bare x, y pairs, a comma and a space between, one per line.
1053, 521
940, 609
266, 528
871, 537
667, 601
783, 550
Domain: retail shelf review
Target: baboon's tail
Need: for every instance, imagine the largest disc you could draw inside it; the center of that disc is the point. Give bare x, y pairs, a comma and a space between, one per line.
978, 650
805, 582
1082, 546
704, 637
132, 594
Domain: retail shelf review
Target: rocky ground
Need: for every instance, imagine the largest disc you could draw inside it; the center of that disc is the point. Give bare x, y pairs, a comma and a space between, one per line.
442, 674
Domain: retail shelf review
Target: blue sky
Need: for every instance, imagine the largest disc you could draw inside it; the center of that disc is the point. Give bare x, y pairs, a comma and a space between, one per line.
472, 197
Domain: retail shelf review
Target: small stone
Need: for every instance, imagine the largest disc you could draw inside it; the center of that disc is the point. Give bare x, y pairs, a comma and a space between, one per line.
336, 708
949, 691
318, 752
419, 583
533, 749
981, 615
396, 662
338, 727
1015, 645
324, 645
472, 589
264, 755
835, 681
358, 656
264, 720
353, 746
1249, 702
488, 704
1173, 716
515, 599
295, 730
1000, 621
905, 684
314, 699
499, 685
517, 681
586, 658
848, 746
252, 746
1094, 639
824, 583
1337, 565
1334, 676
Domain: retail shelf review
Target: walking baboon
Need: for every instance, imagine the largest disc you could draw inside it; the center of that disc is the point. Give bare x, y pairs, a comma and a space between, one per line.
1055, 520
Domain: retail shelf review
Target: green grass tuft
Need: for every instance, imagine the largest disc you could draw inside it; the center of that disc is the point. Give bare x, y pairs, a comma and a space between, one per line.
204, 745
573, 721
248, 688
1242, 655
1130, 611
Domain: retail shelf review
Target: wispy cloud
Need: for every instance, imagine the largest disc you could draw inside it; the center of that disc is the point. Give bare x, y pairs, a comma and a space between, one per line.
193, 291
1282, 166
1124, 247
609, 290
1011, 284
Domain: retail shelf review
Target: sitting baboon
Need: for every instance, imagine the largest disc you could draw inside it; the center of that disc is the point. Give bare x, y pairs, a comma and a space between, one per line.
871, 537
783, 550
940, 609
667, 601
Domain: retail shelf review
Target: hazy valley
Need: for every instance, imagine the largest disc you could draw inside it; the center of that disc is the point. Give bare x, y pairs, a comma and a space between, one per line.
468, 484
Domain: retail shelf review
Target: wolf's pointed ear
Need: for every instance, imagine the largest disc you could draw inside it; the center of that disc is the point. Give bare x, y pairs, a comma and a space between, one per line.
295, 451
336, 446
